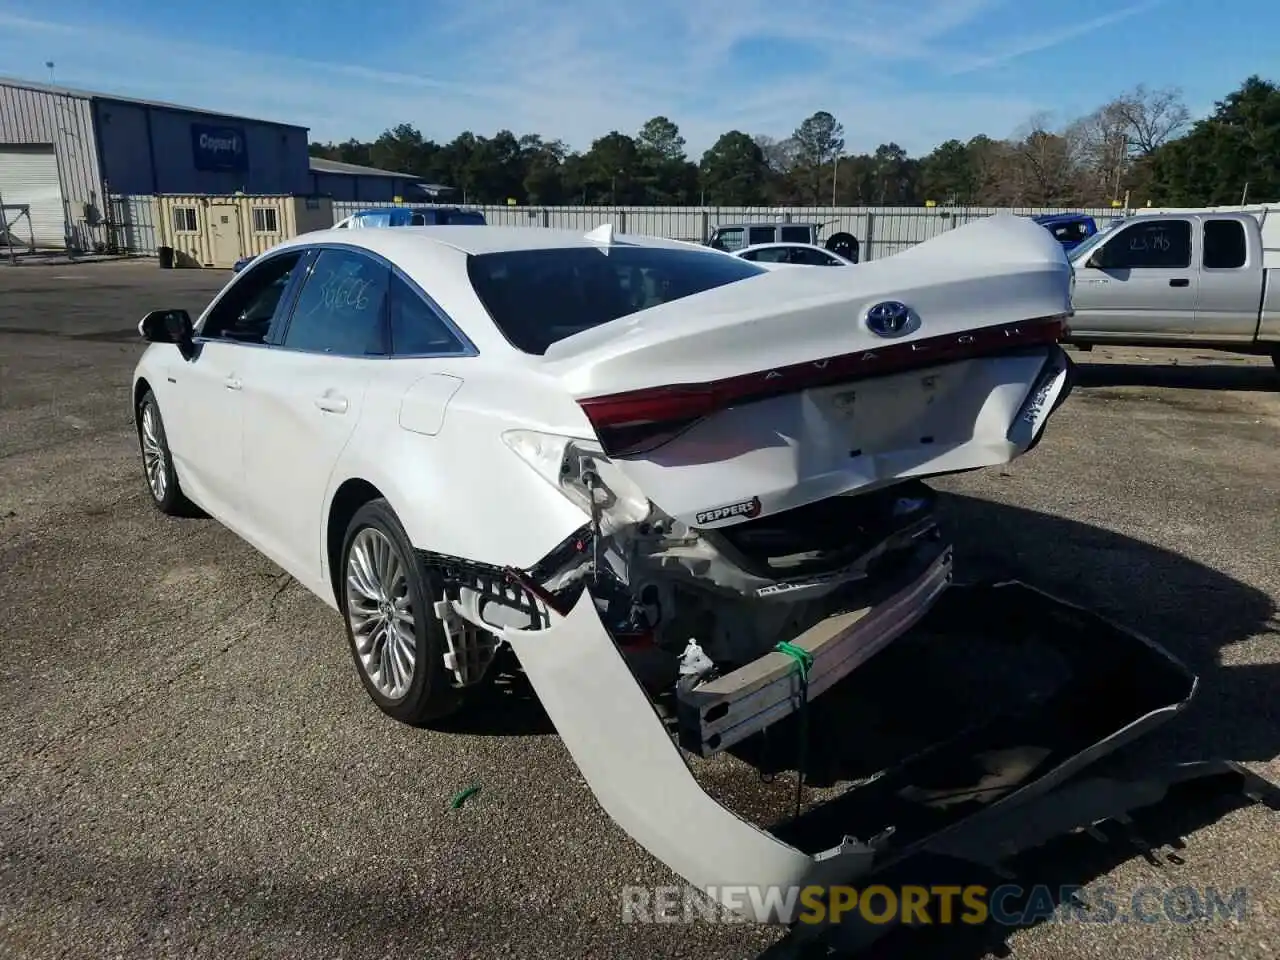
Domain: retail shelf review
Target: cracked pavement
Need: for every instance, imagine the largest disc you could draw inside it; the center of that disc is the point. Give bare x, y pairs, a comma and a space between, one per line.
191, 768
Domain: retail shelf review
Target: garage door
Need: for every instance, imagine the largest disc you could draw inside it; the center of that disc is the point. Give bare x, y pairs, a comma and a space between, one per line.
29, 174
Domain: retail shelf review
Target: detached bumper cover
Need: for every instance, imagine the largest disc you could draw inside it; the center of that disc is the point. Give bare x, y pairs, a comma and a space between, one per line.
1117, 685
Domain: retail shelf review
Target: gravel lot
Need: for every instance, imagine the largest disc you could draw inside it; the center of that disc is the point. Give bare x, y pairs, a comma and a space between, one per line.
190, 767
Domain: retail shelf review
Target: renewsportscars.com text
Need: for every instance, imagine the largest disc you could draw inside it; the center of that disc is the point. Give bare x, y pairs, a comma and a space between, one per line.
1008, 904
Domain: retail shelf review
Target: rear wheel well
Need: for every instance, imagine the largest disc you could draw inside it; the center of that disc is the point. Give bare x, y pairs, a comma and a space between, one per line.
351, 496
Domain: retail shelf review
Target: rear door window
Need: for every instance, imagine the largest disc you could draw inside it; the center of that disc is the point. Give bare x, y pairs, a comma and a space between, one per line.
761, 235
1224, 244
772, 255
342, 307
810, 257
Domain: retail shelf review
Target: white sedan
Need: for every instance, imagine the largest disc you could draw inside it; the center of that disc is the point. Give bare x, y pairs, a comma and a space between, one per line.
639, 463
793, 254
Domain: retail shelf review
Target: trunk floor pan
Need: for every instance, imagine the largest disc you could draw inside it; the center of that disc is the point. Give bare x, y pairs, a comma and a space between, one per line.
999, 693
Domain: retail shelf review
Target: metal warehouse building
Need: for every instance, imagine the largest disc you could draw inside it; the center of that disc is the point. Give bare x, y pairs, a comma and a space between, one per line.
65, 154
352, 182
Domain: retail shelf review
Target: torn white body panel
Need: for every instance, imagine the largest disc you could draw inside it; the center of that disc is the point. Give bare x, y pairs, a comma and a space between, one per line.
622, 748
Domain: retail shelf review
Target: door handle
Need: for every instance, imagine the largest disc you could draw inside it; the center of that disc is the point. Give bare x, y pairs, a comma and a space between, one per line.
1180, 282
331, 404
232, 383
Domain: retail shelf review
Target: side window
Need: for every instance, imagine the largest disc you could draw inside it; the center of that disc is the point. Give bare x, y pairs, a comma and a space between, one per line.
418, 220
761, 235
416, 328
342, 307
730, 239
810, 258
794, 234
1157, 244
774, 255
752, 255
245, 313
1224, 244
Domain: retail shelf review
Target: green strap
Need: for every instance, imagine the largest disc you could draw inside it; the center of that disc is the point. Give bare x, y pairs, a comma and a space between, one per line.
803, 660
462, 796
802, 657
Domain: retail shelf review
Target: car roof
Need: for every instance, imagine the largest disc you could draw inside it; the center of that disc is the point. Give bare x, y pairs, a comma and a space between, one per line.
784, 243
766, 223
440, 208
1049, 218
469, 239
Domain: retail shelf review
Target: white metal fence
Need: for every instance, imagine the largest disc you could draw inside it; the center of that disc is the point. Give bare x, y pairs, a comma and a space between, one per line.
881, 231
131, 225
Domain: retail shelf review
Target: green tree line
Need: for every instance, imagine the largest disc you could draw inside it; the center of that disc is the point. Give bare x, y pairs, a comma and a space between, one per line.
1143, 144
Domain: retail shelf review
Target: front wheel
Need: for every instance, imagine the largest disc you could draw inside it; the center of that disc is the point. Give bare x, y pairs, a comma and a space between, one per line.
397, 642
157, 461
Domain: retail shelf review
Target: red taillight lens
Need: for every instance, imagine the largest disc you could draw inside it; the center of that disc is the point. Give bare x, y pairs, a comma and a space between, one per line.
642, 420
632, 423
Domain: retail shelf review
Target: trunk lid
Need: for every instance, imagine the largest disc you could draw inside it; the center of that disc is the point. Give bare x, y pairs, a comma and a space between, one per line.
999, 270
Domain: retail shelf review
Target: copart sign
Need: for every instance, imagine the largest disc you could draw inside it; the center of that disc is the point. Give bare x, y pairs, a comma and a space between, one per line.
219, 148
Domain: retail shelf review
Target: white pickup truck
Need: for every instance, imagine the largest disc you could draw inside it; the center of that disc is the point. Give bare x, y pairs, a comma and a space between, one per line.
1208, 278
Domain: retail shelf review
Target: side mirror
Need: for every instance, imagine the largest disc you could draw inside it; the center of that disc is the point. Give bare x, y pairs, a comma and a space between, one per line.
1096, 261
169, 326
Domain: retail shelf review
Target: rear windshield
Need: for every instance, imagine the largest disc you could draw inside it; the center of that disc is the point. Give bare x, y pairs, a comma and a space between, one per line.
537, 297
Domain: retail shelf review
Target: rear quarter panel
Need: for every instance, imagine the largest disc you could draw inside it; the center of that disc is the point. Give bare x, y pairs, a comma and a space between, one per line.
460, 490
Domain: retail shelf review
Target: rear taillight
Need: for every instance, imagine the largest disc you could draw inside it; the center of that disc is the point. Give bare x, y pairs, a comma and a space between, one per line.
638, 421
633, 423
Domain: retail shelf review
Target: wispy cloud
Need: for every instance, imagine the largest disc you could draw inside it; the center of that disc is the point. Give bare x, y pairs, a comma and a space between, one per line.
1035, 43
577, 69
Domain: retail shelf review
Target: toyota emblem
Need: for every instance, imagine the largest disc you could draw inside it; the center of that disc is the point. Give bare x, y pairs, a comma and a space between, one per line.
888, 319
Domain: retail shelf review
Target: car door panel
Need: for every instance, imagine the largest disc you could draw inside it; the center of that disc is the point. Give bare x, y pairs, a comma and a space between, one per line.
1230, 283
204, 423
304, 398
1145, 284
206, 414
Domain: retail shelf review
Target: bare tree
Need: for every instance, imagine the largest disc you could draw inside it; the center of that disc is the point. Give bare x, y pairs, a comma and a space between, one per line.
780, 155
1046, 164
1149, 118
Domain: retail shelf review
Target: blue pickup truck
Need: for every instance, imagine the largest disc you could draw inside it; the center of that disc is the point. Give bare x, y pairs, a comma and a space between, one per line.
398, 217
1069, 229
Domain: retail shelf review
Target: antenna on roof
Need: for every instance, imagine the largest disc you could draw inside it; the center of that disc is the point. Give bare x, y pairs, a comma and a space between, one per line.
601, 234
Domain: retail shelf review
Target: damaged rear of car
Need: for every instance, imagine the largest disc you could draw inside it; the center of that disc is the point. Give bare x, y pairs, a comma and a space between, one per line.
752, 472
747, 467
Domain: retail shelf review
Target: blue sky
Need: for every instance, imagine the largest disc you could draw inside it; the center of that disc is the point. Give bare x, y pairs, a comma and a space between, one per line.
913, 71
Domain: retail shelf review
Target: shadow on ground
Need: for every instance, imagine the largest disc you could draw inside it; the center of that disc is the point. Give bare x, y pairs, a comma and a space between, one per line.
1190, 610
1179, 376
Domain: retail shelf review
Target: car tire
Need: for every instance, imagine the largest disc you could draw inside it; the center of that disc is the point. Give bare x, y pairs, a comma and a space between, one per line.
157, 461
387, 596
